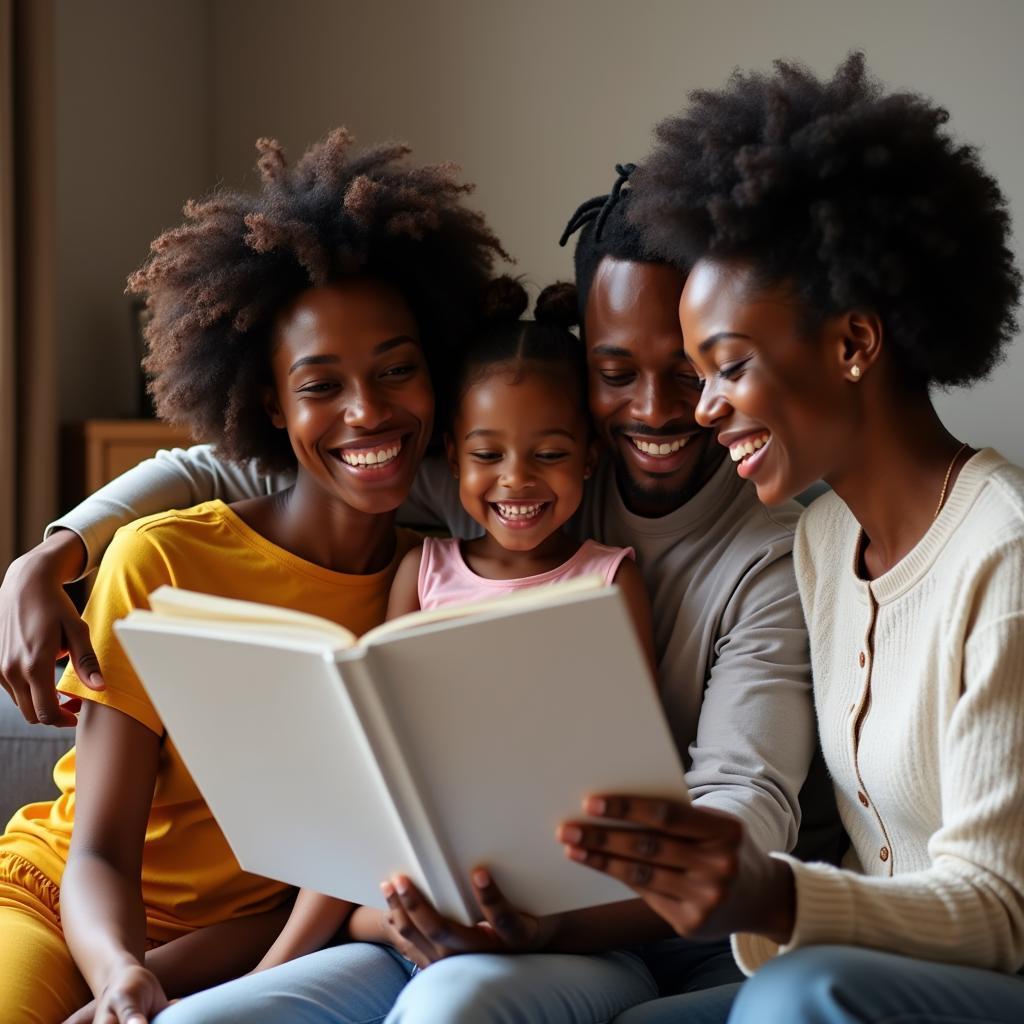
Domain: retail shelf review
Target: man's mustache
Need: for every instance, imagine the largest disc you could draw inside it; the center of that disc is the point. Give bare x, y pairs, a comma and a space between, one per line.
642, 430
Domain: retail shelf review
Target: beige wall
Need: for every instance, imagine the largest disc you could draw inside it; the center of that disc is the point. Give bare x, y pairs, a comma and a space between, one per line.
537, 100
132, 144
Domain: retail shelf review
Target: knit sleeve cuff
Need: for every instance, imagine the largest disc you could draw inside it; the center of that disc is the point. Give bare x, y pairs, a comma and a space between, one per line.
824, 914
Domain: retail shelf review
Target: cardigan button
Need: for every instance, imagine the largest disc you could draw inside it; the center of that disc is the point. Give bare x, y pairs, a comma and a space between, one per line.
883, 853
864, 800
861, 659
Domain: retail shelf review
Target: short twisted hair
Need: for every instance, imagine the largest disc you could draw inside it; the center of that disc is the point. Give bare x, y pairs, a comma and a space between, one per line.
605, 229
856, 197
215, 285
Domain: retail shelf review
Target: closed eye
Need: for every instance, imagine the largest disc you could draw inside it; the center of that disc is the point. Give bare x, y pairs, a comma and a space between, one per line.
616, 379
485, 456
732, 370
405, 370
317, 387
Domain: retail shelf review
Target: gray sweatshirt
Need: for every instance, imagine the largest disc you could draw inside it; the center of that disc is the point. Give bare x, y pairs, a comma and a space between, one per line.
729, 633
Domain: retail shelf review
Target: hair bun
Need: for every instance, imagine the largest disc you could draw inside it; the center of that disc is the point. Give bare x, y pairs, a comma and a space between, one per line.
504, 300
558, 304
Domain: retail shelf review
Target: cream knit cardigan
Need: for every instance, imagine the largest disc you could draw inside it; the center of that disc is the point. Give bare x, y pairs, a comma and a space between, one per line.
919, 692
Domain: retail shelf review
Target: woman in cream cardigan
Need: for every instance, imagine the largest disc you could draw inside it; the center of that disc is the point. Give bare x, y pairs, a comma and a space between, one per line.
847, 255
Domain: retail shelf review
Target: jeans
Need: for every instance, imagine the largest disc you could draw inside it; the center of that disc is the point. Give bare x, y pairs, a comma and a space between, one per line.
846, 985
360, 983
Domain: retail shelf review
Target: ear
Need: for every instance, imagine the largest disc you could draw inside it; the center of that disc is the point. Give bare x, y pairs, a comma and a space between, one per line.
860, 343
453, 456
593, 454
273, 408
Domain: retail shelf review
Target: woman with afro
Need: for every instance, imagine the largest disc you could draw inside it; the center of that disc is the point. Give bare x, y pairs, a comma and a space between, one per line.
295, 327
845, 256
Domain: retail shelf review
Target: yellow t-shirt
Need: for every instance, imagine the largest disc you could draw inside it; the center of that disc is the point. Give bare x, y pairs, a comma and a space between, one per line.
190, 878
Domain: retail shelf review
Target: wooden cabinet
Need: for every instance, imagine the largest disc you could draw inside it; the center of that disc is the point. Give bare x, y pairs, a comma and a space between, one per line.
99, 450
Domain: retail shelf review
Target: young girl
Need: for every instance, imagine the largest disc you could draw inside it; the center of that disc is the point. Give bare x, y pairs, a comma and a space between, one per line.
291, 327
520, 447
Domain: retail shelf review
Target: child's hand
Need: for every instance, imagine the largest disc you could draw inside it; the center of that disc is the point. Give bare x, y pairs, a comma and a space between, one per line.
422, 935
132, 995
691, 865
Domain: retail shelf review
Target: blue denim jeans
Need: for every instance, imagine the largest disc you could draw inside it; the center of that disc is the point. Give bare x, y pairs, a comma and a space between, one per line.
360, 983
845, 985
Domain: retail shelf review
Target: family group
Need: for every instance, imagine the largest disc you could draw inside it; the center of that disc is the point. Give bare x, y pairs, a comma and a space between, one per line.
768, 300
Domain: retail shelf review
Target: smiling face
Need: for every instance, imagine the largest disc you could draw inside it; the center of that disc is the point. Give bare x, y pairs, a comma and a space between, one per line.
643, 390
521, 449
352, 389
781, 398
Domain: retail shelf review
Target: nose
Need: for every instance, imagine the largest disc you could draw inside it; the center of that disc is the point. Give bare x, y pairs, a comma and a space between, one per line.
515, 473
655, 403
366, 407
711, 407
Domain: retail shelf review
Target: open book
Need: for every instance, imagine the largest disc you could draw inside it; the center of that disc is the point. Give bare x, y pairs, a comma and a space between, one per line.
437, 742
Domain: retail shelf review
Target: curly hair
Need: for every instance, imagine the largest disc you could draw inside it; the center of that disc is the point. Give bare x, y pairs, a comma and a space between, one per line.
605, 230
505, 339
855, 197
215, 285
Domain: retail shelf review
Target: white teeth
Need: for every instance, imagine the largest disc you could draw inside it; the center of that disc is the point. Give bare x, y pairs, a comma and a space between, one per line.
375, 457
743, 449
518, 511
661, 448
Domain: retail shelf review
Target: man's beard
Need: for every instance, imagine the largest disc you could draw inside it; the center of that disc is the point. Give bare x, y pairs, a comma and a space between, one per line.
662, 497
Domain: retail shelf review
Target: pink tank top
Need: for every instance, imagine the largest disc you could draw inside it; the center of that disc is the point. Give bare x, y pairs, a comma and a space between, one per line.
446, 579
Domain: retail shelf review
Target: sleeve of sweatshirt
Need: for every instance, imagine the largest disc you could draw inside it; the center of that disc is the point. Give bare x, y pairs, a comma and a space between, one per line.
967, 906
179, 478
756, 732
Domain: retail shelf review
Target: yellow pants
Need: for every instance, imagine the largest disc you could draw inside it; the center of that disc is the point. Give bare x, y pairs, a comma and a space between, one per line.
39, 982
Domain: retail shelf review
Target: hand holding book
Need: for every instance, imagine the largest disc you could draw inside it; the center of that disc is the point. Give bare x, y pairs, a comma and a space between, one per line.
423, 935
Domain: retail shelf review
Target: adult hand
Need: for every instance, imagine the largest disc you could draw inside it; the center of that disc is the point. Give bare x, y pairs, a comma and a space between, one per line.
39, 624
693, 866
87, 1014
133, 995
416, 929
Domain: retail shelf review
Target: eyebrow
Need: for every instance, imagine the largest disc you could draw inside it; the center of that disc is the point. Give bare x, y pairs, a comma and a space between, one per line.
481, 432
625, 353
380, 349
709, 343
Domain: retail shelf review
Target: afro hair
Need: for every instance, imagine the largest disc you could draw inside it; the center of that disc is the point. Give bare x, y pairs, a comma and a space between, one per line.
855, 197
215, 285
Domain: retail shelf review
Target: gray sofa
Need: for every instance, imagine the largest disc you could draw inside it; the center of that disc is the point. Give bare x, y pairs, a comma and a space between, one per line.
27, 756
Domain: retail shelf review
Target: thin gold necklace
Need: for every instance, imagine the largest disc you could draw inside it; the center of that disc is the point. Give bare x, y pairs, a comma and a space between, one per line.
945, 483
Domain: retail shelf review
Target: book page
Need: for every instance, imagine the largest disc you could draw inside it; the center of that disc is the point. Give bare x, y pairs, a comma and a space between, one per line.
508, 722
177, 603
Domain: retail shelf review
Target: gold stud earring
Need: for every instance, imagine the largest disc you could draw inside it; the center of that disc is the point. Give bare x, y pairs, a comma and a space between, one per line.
855, 372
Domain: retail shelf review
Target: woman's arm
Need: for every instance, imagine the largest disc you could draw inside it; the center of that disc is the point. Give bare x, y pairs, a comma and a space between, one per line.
179, 478
405, 590
966, 907
38, 623
102, 912
314, 921
631, 583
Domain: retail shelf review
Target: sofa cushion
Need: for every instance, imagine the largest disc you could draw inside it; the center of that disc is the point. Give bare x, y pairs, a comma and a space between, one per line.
27, 756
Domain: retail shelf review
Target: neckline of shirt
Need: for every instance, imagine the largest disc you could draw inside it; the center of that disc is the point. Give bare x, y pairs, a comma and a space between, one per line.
542, 577
295, 563
718, 493
910, 569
